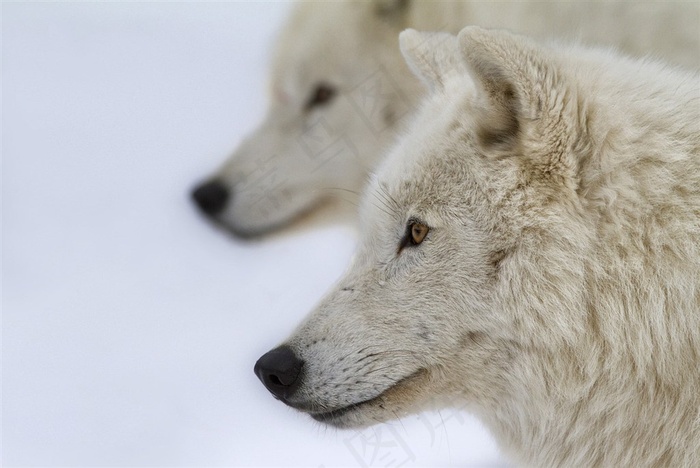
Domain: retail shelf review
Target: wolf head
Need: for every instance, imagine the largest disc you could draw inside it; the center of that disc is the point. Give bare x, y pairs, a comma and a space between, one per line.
419, 318
509, 256
339, 91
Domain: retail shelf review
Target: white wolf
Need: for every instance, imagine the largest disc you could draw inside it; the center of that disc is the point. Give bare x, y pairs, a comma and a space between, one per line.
531, 248
340, 90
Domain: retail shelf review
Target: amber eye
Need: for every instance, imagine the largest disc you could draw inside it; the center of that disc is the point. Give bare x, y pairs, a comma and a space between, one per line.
321, 95
415, 234
418, 232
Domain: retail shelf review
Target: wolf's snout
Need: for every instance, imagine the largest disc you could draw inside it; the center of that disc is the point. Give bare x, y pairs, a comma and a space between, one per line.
211, 197
279, 371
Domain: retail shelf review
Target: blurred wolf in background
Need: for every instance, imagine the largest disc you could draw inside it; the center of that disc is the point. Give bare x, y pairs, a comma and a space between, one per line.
340, 91
530, 249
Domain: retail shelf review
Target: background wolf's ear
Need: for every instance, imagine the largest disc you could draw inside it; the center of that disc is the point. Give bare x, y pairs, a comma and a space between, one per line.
431, 56
513, 74
389, 8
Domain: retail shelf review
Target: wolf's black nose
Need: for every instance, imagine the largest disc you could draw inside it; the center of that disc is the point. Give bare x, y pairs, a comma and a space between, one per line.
279, 371
211, 197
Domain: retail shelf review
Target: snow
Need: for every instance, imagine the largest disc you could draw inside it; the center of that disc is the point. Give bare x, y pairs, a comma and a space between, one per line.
129, 325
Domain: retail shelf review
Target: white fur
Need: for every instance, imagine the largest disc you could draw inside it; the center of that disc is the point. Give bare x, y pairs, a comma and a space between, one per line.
298, 158
558, 289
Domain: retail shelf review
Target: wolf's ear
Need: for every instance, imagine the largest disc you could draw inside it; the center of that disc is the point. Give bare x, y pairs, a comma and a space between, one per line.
389, 8
516, 77
431, 56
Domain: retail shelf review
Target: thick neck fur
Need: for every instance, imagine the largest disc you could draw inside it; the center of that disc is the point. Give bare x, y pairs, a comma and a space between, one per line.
592, 376
628, 317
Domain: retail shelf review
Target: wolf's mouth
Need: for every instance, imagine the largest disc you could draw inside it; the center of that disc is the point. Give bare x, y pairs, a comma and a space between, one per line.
335, 414
296, 216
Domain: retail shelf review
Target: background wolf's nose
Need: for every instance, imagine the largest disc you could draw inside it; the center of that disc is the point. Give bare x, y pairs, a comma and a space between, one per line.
279, 371
211, 197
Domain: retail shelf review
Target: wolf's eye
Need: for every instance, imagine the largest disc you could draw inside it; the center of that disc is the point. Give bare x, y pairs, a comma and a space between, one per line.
415, 234
321, 95
418, 232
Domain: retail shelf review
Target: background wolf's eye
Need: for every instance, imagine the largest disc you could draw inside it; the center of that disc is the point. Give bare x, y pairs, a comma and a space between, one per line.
415, 234
321, 95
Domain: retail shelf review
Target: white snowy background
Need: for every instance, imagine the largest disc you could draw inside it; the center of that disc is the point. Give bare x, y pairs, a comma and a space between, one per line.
129, 325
